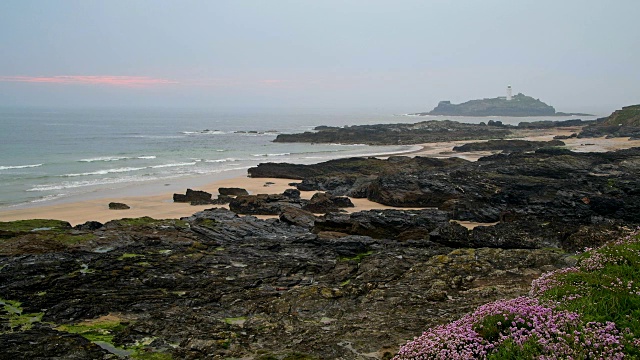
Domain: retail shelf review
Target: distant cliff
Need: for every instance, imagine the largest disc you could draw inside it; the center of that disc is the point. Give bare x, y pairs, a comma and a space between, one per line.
519, 105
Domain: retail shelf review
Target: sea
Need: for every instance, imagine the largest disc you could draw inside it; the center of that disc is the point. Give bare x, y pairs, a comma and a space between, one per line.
50, 155
53, 155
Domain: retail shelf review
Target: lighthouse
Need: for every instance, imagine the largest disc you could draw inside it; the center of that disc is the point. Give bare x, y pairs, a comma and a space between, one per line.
508, 92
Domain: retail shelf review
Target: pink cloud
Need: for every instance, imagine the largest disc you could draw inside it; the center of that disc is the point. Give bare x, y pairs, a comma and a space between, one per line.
125, 81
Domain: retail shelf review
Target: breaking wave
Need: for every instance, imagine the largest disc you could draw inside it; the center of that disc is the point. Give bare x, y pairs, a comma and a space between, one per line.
104, 172
19, 167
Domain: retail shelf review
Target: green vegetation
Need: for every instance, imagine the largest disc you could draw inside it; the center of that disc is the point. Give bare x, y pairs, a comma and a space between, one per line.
129, 256
103, 331
13, 314
519, 105
604, 287
358, 258
151, 222
43, 230
71, 239
627, 116
291, 356
235, 321
589, 311
509, 350
95, 331
34, 225
208, 223
145, 355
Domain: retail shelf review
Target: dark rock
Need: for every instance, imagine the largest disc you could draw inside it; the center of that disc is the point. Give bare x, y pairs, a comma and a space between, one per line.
201, 202
451, 234
296, 216
89, 226
385, 224
426, 189
337, 167
118, 206
565, 137
321, 203
351, 246
549, 184
393, 134
507, 145
523, 234
470, 210
592, 236
548, 124
232, 191
261, 204
292, 194
193, 196
45, 343
221, 200
341, 201
417, 133
216, 284
554, 151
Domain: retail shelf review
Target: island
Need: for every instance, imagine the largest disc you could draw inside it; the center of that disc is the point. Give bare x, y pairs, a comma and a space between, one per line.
517, 105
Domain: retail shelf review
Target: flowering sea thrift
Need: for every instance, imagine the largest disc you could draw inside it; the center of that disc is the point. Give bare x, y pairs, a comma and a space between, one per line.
548, 281
555, 334
530, 328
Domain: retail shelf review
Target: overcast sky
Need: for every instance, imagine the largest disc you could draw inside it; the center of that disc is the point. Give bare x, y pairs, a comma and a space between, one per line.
577, 55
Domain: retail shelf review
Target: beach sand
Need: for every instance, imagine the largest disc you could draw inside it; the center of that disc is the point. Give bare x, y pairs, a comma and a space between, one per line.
161, 206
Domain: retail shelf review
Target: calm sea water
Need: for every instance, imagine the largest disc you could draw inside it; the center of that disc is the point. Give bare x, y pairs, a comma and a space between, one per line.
49, 154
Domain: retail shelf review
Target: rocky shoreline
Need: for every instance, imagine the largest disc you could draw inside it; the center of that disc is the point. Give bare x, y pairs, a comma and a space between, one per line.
314, 282
217, 285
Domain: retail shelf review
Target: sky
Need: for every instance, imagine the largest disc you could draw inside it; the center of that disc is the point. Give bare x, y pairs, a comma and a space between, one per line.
577, 55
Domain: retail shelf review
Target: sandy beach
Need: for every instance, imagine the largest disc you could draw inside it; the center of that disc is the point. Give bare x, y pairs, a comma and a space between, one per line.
160, 205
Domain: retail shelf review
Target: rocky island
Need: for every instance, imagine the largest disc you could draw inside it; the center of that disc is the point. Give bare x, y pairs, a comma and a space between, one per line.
518, 105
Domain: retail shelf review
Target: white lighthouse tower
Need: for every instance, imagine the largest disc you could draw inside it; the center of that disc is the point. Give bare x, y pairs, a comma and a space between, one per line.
508, 92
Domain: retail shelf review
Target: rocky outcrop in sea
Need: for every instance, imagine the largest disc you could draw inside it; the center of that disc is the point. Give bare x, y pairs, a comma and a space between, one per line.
420, 132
